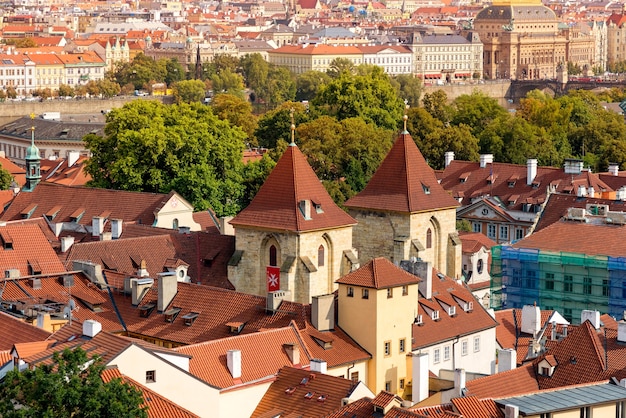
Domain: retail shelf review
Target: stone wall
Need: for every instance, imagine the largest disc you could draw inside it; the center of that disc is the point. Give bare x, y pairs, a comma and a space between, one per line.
498, 90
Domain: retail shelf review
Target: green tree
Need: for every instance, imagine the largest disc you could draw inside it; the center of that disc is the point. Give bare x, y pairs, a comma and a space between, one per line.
573, 68
141, 72
339, 66
475, 110
226, 81
458, 139
66, 91
254, 175
463, 225
371, 97
408, 88
238, 112
255, 70
174, 71
220, 62
309, 83
5, 179
279, 87
66, 388
93, 88
189, 91
152, 147
275, 124
108, 88
436, 104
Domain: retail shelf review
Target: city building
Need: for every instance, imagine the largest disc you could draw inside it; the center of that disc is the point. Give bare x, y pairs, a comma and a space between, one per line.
447, 57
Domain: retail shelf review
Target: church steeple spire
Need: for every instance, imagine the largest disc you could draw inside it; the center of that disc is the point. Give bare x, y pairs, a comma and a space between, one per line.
33, 175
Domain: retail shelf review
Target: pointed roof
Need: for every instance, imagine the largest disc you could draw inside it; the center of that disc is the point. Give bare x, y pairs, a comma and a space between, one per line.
379, 273
404, 182
277, 203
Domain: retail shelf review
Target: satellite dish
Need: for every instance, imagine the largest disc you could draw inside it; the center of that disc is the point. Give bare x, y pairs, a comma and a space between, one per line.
67, 312
72, 304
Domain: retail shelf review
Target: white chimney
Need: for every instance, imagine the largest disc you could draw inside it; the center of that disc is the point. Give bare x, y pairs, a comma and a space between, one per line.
323, 312
424, 270
116, 228
448, 157
507, 359
621, 331
485, 159
66, 243
420, 377
97, 226
318, 365
591, 316
531, 319
459, 382
168, 286
91, 328
511, 411
614, 169
293, 352
582, 191
233, 359
591, 192
531, 171
225, 227
72, 157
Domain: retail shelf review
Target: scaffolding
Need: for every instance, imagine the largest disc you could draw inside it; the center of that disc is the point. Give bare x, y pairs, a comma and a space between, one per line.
562, 281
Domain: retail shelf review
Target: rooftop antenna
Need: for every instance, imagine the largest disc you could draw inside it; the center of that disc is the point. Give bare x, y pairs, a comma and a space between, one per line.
293, 129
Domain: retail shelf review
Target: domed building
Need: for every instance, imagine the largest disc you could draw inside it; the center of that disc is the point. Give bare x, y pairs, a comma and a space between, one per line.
522, 40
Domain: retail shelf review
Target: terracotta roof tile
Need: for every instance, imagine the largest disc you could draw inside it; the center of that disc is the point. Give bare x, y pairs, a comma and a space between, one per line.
13, 331
5, 357
262, 355
25, 350
277, 203
472, 407
343, 349
558, 203
280, 395
379, 273
403, 183
158, 406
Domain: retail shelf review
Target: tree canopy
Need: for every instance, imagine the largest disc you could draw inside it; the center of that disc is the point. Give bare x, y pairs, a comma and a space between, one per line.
152, 147
66, 388
5, 179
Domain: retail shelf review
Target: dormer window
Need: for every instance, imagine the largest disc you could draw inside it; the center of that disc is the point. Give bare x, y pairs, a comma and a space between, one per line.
419, 320
170, 315
235, 327
146, 310
434, 315
426, 189
190, 318
452, 310
305, 209
7, 241
318, 207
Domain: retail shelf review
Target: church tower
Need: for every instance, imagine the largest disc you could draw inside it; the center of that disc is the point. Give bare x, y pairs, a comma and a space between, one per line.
292, 237
33, 175
404, 212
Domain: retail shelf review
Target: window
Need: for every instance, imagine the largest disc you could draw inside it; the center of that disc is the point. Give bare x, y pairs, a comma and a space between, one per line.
446, 353
476, 344
320, 256
273, 256
436, 355
401, 383
464, 347
605, 287
546, 415
549, 281
387, 348
568, 283
150, 376
477, 227
390, 292
504, 232
354, 376
585, 412
365, 294
587, 285
491, 231
620, 410
402, 343
350, 292
405, 290
175, 223
388, 386
429, 238
479, 266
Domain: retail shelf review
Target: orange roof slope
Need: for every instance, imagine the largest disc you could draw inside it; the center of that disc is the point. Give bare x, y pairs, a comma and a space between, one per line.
13, 331
404, 182
276, 205
334, 347
379, 273
279, 395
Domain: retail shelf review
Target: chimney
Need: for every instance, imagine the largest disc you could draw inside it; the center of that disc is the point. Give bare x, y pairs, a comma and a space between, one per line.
531, 171
72, 157
323, 312
591, 192
305, 208
225, 227
448, 158
91, 270
318, 365
116, 228
424, 270
486, 159
139, 288
293, 352
420, 377
591, 316
66, 243
459, 382
142, 271
511, 411
531, 319
614, 169
573, 166
105, 236
97, 226
233, 359
507, 359
168, 286
582, 191
91, 328
621, 331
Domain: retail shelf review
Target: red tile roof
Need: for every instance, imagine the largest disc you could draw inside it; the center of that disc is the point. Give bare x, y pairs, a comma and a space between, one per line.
472, 407
379, 273
276, 205
403, 183
262, 355
25, 350
280, 397
158, 406
448, 292
558, 203
13, 331
472, 242
343, 349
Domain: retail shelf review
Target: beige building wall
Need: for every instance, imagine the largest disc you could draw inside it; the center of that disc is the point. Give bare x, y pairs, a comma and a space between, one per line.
347, 370
239, 403
299, 63
302, 272
400, 236
616, 43
379, 324
596, 411
176, 213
